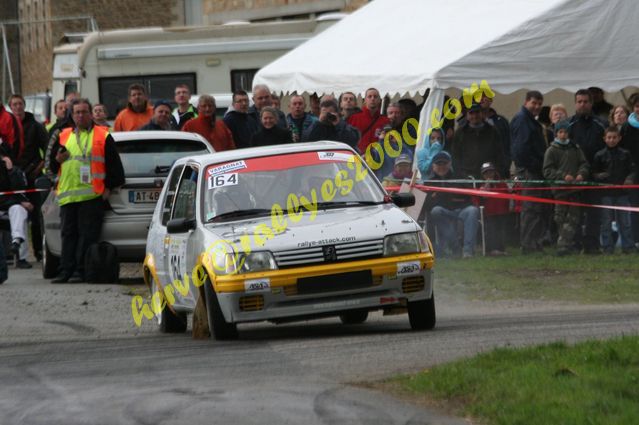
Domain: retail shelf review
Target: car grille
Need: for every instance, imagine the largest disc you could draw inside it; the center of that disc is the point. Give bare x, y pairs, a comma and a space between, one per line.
251, 303
413, 284
291, 290
343, 252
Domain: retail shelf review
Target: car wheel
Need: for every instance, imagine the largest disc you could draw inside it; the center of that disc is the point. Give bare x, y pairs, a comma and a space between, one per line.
354, 317
421, 314
218, 326
49, 261
169, 322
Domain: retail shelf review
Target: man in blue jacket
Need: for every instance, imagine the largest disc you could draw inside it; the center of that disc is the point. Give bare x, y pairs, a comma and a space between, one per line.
528, 146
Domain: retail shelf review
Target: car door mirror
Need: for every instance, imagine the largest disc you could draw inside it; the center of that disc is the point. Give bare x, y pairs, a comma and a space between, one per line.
180, 225
403, 200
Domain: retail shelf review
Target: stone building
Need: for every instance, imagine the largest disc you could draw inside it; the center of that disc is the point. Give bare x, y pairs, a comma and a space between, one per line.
46, 22
9, 19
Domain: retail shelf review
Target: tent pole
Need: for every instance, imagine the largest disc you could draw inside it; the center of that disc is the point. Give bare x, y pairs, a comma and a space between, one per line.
434, 100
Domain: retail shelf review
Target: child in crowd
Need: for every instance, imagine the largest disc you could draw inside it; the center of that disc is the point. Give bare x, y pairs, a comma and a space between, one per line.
401, 170
494, 211
565, 161
613, 165
432, 147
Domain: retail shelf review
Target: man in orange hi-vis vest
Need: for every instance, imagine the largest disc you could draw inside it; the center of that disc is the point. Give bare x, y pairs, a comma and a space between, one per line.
88, 167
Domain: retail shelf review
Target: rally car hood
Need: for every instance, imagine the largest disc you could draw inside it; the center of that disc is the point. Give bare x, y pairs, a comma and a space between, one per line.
331, 226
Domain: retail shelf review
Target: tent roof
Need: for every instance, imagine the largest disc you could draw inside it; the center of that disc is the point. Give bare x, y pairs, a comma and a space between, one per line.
401, 46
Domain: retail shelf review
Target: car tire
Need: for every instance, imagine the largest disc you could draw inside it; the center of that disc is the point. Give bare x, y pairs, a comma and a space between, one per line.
169, 322
218, 326
354, 317
421, 314
50, 262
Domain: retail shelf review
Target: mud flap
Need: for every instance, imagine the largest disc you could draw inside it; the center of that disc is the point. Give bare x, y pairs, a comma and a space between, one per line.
200, 319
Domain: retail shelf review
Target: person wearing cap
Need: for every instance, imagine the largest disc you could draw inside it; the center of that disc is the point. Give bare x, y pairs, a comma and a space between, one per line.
495, 210
565, 161
138, 111
161, 118
448, 209
434, 143
402, 170
474, 143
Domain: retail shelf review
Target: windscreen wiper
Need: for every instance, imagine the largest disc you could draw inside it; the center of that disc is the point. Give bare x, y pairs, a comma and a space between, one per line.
325, 205
239, 213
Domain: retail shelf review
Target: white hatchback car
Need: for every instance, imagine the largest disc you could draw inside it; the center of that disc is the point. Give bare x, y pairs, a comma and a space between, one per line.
280, 233
147, 157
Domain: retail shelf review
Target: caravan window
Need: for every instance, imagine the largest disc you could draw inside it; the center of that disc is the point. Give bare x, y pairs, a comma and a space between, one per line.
242, 79
114, 90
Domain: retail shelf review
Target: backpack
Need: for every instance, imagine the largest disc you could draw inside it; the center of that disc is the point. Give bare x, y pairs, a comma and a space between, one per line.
101, 263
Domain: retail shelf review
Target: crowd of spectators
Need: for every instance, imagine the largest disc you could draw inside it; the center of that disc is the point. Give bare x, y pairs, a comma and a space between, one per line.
568, 152
482, 150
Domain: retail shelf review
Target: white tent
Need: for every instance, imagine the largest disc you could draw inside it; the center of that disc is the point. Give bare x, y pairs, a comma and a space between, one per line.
408, 46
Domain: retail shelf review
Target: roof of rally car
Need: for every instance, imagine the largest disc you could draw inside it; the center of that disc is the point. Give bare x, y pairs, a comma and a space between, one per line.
239, 154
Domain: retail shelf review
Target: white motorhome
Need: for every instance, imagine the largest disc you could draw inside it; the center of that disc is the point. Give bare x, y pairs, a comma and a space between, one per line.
211, 59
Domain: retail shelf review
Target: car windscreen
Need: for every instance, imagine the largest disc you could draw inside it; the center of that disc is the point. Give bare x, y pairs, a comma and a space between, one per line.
319, 179
153, 158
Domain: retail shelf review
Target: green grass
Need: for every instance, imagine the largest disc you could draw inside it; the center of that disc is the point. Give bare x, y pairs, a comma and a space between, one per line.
577, 278
595, 382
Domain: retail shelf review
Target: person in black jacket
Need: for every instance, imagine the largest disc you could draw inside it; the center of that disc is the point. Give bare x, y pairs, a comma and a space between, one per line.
270, 133
239, 121
613, 165
476, 143
502, 126
446, 209
331, 126
16, 207
586, 131
31, 163
161, 120
528, 146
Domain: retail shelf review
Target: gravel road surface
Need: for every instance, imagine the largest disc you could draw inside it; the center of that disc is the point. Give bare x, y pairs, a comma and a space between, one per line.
71, 354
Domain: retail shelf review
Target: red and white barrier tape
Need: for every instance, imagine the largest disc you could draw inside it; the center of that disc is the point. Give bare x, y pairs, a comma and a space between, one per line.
498, 195
15, 192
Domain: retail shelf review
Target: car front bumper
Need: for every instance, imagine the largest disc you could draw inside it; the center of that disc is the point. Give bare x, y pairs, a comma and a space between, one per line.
278, 295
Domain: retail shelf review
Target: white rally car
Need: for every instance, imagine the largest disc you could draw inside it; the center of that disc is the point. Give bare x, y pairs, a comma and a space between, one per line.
288, 232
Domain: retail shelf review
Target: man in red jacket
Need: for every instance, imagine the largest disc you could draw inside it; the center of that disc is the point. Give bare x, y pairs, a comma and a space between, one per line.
10, 134
206, 125
369, 122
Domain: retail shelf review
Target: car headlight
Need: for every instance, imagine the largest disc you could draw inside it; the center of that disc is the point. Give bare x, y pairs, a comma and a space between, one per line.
402, 243
424, 242
249, 263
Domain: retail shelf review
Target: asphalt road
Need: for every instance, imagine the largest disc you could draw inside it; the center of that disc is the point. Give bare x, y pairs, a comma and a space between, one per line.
71, 354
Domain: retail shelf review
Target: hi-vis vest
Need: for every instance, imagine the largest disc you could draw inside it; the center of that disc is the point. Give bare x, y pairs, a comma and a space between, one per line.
70, 187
